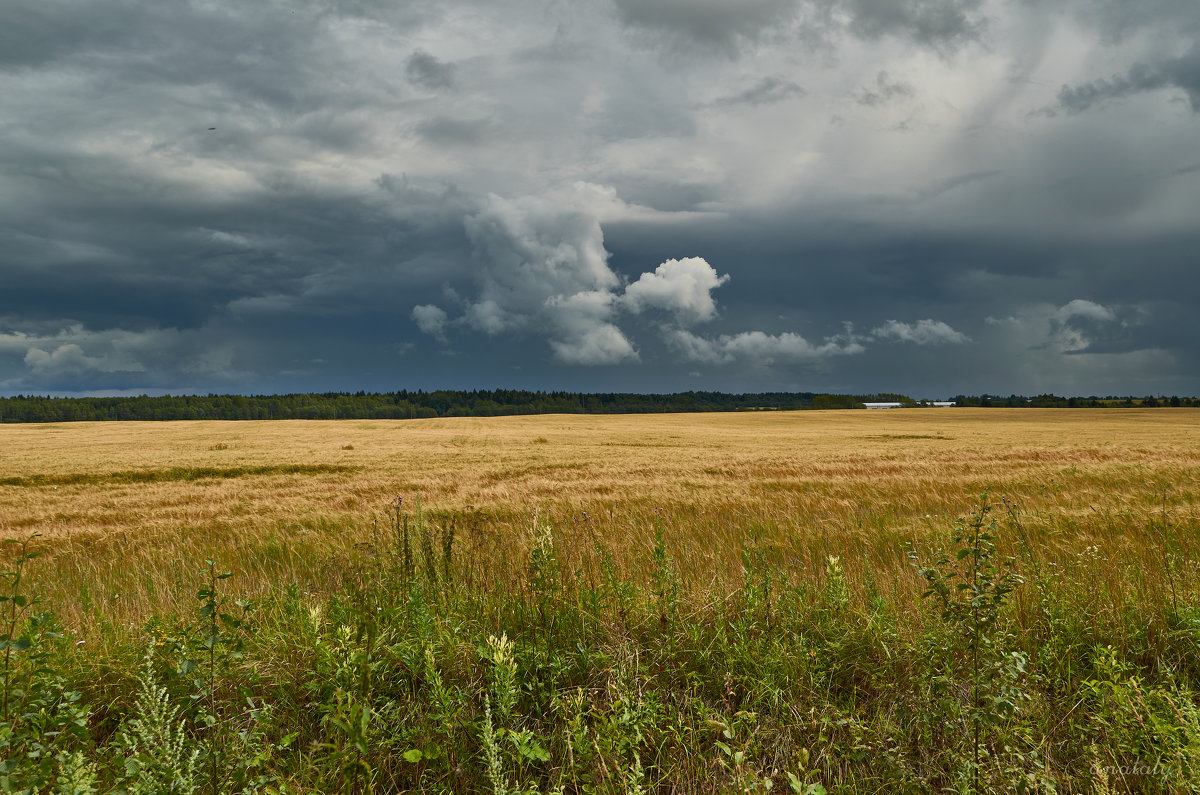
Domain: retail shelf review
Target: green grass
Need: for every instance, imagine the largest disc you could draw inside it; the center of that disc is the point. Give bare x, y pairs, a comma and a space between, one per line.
439, 657
171, 474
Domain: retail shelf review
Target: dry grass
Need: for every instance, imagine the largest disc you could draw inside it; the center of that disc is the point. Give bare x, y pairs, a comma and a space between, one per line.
130, 509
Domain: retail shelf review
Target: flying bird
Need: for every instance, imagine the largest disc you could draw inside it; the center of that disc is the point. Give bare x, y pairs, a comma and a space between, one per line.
212, 128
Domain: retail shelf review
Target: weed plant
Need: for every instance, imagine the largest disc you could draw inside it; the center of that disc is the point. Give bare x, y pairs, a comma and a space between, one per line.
438, 658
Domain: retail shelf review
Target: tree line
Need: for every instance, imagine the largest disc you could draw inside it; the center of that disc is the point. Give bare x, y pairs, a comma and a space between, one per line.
1050, 401
404, 404
420, 404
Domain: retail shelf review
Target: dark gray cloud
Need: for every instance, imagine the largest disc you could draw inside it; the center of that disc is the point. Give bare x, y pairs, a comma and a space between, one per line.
943, 24
36, 33
443, 131
713, 22
957, 181
767, 91
581, 196
884, 91
1117, 20
428, 72
1181, 73
993, 309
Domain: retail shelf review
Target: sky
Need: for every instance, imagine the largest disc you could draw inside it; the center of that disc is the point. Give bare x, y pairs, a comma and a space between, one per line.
930, 197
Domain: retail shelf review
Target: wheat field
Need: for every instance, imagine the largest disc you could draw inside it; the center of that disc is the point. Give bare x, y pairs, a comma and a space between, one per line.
125, 509
246, 478
621, 588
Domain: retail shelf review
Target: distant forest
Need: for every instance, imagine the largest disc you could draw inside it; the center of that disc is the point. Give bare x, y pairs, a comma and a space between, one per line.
484, 403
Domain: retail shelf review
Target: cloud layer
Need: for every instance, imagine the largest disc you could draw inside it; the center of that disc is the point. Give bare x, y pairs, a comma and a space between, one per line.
931, 196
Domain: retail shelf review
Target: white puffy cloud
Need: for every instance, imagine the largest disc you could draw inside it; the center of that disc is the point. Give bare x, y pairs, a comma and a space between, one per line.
923, 332
596, 344
489, 317
75, 353
585, 335
1080, 308
543, 269
681, 286
757, 348
66, 360
1076, 327
1080, 348
532, 248
431, 320
760, 347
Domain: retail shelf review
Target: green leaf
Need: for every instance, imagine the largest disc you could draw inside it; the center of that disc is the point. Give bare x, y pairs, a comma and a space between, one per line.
412, 755
534, 750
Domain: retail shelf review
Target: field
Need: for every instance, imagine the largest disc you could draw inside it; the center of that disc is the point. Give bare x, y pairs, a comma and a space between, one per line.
624, 603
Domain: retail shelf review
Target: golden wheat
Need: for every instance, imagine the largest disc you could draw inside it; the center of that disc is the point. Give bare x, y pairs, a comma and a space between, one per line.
129, 508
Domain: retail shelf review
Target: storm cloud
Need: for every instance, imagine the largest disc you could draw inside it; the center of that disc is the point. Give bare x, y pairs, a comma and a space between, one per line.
1181, 73
928, 196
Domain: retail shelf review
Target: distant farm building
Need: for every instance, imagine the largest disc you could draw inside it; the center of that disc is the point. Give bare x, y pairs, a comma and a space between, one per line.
937, 403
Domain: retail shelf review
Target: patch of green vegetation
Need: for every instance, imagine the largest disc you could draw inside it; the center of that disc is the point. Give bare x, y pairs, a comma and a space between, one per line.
174, 474
533, 471
422, 671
